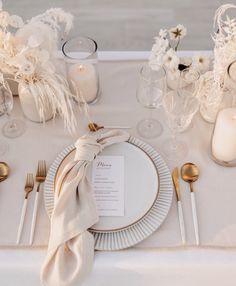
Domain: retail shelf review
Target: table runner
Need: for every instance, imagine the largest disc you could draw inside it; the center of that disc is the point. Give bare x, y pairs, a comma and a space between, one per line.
215, 192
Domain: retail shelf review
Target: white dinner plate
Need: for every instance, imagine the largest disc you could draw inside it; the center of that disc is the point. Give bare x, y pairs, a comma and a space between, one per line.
148, 194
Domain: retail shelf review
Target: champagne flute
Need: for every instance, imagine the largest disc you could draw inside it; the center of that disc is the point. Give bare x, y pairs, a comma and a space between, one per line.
13, 127
150, 92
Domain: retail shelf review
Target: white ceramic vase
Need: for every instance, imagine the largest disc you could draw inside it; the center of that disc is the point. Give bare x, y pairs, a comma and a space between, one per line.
29, 107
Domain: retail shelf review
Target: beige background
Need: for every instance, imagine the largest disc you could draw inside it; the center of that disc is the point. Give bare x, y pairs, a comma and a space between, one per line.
131, 24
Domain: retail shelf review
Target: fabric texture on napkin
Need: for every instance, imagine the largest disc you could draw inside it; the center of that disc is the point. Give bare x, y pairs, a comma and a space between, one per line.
71, 247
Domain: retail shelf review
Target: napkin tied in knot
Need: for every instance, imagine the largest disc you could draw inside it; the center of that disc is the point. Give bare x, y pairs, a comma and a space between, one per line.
71, 247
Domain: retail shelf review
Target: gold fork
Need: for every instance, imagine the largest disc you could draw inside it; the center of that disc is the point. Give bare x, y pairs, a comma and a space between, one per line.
40, 178
29, 186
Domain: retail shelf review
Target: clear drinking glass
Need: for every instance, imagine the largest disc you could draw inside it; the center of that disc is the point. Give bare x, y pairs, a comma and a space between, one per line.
180, 107
189, 79
150, 91
80, 55
13, 127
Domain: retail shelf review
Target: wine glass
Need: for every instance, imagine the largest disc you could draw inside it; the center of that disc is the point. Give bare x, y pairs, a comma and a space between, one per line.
13, 127
150, 92
180, 107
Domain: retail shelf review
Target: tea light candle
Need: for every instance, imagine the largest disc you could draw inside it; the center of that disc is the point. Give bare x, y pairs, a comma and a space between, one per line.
84, 77
224, 137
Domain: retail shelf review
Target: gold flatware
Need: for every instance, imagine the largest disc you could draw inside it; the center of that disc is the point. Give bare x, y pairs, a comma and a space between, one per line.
29, 186
4, 171
40, 178
93, 127
175, 178
190, 174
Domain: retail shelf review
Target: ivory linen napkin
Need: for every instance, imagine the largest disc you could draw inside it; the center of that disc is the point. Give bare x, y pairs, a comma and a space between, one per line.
71, 247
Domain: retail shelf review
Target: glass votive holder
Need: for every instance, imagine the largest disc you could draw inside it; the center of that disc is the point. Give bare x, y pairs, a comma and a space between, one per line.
223, 142
81, 59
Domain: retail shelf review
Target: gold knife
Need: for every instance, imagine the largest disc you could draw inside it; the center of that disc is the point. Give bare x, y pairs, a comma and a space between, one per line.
175, 178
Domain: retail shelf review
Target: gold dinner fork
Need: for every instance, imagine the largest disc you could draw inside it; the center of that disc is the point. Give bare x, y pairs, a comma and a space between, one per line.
40, 178
29, 186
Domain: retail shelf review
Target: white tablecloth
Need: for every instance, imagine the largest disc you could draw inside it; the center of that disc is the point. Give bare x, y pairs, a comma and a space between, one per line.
158, 259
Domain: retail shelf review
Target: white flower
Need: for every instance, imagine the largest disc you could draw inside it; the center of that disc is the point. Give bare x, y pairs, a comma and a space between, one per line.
163, 33
157, 53
177, 32
16, 21
201, 62
171, 60
4, 19
160, 45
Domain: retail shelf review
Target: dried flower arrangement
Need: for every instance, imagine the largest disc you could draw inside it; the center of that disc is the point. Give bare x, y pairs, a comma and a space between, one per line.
213, 84
164, 53
225, 44
28, 53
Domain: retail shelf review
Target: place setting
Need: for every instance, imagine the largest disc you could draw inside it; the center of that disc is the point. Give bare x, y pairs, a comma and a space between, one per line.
104, 184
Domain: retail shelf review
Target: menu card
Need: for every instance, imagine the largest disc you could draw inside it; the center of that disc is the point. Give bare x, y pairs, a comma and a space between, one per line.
108, 185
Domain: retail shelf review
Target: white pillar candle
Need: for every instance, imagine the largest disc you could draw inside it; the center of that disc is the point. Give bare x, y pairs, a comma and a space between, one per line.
85, 79
224, 137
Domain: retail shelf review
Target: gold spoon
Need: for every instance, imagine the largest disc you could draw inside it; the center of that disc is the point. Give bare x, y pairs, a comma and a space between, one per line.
4, 171
93, 127
190, 174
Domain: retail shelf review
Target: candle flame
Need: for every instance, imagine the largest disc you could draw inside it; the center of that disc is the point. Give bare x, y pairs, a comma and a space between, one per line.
81, 67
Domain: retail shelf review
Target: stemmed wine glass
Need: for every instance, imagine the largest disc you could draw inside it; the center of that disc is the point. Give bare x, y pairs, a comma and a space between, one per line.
180, 107
13, 127
150, 92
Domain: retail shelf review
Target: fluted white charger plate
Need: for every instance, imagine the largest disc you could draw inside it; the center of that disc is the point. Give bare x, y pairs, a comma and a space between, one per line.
148, 194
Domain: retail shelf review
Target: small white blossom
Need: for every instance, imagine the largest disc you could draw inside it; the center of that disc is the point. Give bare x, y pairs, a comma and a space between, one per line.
177, 32
160, 44
201, 62
163, 33
157, 53
171, 60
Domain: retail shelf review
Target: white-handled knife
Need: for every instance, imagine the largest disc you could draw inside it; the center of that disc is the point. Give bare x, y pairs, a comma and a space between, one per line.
175, 178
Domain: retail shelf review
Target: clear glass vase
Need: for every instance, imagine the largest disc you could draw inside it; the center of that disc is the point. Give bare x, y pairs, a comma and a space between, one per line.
81, 59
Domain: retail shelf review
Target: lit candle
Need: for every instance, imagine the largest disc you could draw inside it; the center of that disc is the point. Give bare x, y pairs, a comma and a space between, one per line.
224, 137
85, 79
